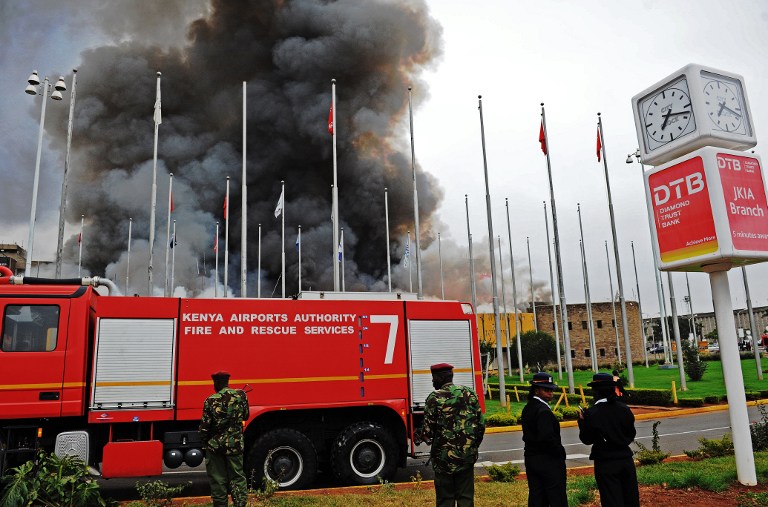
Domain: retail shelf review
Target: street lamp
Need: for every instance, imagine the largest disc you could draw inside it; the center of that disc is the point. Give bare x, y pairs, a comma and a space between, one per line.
32, 89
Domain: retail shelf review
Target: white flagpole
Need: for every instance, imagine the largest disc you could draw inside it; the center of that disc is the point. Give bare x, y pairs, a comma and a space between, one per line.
499, 355
244, 218
80, 255
282, 214
415, 202
408, 258
559, 263
587, 297
505, 312
440, 256
258, 268
386, 220
168, 233
335, 189
128, 260
530, 275
298, 242
514, 302
153, 207
613, 304
226, 242
65, 180
619, 281
216, 277
639, 305
752, 323
343, 260
552, 290
676, 330
173, 258
471, 258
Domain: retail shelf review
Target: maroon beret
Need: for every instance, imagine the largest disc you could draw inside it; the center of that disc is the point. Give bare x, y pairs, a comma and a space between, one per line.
220, 375
435, 368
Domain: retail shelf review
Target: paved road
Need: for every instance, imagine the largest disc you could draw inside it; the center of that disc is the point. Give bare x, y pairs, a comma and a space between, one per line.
677, 434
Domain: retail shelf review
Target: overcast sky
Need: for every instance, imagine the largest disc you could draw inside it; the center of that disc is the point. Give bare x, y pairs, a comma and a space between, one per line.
576, 57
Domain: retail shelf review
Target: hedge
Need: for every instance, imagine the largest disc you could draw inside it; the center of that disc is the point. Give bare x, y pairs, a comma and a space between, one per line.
653, 397
690, 402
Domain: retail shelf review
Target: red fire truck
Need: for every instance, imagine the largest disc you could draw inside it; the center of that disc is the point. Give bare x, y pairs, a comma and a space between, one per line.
334, 381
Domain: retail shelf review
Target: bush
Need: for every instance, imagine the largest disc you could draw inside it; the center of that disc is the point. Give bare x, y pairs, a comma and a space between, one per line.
653, 455
51, 480
653, 397
752, 395
712, 399
692, 363
568, 413
538, 348
503, 473
159, 493
759, 430
501, 420
690, 402
712, 448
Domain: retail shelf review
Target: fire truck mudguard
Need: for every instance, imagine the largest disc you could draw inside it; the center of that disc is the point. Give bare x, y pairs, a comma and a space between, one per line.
363, 453
284, 456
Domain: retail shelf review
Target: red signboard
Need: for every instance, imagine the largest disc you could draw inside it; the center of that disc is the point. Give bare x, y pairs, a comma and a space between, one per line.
745, 201
682, 211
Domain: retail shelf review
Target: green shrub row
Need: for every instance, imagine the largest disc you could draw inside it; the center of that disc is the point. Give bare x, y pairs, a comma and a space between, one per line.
561, 414
653, 397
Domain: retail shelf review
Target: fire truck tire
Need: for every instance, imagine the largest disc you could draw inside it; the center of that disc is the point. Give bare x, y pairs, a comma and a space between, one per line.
285, 456
363, 453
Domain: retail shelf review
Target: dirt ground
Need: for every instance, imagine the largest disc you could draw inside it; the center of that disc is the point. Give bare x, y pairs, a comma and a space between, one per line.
734, 496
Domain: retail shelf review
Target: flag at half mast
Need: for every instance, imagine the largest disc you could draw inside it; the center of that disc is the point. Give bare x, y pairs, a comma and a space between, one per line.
543, 138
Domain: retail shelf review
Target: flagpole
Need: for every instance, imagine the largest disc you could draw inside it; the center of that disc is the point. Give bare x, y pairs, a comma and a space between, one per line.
158, 120
343, 260
440, 256
514, 301
504, 304
298, 242
258, 270
168, 232
80, 255
216, 278
552, 291
530, 275
408, 258
587, 297
676, 330
386, 221
752, 324
613, 303
558, 259
639, 304
415, 202
619, 281
282, 221
335, 189
173, 258
128, 260
65, 180
226, 241
244, 205
499, 356
471, 258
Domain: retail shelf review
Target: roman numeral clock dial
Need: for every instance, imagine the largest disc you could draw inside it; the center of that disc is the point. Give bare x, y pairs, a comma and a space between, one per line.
667, 115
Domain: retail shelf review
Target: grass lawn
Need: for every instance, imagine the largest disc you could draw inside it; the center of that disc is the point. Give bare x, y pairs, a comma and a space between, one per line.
646, 378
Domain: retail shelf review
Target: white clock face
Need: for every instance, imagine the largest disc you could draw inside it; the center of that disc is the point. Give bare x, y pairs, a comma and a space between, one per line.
724, 104
667, 115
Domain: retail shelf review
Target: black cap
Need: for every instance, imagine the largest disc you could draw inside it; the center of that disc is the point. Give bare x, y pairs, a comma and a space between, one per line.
544, 380
602, 380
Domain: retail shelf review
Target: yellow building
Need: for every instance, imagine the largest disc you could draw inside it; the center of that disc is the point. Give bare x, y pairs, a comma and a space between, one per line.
486, 326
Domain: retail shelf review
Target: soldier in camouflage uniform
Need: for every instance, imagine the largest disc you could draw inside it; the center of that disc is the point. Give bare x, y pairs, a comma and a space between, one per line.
221, 432
454, 425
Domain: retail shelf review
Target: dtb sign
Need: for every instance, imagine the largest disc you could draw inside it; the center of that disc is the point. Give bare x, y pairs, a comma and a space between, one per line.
709, 209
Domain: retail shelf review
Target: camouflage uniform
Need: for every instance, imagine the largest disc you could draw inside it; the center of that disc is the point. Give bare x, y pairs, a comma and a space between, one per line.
454, 424
221, 432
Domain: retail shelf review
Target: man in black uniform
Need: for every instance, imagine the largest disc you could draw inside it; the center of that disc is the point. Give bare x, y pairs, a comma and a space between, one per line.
544, 453
609, 427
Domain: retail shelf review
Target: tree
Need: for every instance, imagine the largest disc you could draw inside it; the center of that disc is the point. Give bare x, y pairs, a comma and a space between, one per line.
692, 363
538, 349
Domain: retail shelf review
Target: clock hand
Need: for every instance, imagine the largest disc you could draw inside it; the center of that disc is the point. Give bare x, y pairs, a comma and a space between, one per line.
723, 106
721, 109
666, 119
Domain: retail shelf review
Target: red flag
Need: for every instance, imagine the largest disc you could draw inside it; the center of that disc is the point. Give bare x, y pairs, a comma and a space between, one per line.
226, 210
171, 203
330, 120
599, 144
215, 244
79, 238
543, 138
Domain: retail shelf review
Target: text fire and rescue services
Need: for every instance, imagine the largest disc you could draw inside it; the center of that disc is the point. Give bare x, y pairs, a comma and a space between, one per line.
283, 324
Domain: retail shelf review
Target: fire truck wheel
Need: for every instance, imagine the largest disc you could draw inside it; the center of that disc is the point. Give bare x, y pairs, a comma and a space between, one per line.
363, 452
284, 456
